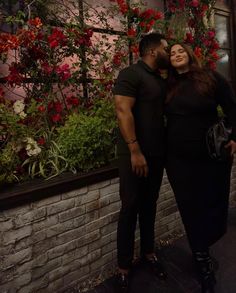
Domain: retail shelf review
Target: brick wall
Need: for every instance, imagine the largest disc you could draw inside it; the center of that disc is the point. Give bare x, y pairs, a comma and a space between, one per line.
60, 242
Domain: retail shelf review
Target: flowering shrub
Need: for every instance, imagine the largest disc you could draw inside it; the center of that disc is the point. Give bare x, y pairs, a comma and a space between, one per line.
64, 120
193, 18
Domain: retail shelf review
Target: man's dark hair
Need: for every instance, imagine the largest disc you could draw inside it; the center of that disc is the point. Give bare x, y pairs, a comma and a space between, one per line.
148, 42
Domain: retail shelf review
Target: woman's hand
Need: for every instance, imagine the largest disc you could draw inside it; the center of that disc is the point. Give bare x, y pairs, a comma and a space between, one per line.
232, 145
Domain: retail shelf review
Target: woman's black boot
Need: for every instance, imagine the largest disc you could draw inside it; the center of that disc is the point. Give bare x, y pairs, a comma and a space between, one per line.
205, 271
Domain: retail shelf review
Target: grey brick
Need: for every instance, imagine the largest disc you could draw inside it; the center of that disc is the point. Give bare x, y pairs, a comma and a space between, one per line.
108, 229
89, 238
94, 205
72, 213
69, 278
70, 235
13, 259
86, 198
6, 225
60, 206
111, 208
35, 286
48, 222
74, 254
109, 189
30, 217
62, 249
15, 235
99, 185
48, 267
60, 228
115, 180
91, 216
16, 211
47, 201
75, 193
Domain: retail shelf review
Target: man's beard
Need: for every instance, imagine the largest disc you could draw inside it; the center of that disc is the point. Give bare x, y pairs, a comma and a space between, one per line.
162, 62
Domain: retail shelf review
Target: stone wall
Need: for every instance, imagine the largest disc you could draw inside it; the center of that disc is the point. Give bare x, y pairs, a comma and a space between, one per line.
55, 244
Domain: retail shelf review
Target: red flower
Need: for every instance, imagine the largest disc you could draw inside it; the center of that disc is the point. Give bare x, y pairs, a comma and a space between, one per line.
14, 76
189, 38
58, 107
198, 52
131, 32
35, 22
41, 141
194, 3
147, 13
63, 71
41, 108
1, 92
135, 49
56, 118
211, 34
46, 68
7, 42
57, 38
215, 45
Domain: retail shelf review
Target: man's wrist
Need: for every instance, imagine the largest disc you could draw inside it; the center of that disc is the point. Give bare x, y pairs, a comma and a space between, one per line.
131, 141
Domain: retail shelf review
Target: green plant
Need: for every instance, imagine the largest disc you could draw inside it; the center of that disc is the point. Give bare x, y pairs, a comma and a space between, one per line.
86, 141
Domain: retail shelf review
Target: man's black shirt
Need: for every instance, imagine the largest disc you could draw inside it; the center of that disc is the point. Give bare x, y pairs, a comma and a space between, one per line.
149, 90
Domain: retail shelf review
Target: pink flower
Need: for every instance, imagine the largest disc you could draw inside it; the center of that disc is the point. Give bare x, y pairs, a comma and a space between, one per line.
63, 71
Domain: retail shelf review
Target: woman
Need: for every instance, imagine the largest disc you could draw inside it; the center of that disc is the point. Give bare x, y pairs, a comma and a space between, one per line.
200, 184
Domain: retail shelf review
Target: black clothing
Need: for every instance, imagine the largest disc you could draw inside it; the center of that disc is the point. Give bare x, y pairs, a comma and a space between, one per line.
200, 184
139, 195
148, 89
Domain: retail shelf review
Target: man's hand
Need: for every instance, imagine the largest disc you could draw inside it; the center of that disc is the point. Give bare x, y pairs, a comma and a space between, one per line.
139, 164
232, 145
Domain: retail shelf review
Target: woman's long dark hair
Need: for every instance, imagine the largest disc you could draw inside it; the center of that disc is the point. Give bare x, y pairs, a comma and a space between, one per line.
203, 79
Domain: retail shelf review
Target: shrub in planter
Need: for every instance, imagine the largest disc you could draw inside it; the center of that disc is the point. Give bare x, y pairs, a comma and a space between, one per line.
86, 141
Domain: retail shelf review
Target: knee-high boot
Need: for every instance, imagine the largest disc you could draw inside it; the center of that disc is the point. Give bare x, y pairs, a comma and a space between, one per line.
204, 266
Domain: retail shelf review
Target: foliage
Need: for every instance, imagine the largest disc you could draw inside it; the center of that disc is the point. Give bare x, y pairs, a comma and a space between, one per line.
85, 140
56, 110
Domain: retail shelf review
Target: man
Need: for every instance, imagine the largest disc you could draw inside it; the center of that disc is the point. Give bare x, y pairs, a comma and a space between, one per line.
139, 97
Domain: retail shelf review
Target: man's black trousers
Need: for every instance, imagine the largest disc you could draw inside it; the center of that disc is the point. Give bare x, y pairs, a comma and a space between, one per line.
138, 200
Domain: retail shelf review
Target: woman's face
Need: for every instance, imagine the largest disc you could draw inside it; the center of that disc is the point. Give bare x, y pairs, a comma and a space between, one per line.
179, 58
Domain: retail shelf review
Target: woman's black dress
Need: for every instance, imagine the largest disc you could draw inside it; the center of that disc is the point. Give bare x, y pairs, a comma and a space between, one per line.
200, 184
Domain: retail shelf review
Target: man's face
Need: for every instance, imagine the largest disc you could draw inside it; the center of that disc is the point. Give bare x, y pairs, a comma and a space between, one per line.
161, 54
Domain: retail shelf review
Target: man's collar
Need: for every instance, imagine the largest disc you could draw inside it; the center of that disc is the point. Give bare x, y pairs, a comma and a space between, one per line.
148, 68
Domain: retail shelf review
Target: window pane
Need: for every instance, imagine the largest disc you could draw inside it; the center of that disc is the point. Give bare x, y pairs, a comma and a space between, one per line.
102, 57
155, 4
223, 3
100, 9
223, 64
222, 30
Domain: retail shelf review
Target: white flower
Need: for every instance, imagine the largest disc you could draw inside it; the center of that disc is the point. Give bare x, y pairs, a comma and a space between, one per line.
19, 106
32, 147
22, 114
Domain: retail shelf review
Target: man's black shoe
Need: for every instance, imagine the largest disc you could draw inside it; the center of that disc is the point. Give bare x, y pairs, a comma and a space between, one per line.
122, 283
156, 266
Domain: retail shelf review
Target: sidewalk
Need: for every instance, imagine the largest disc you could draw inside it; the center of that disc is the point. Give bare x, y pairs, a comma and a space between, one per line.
178, 263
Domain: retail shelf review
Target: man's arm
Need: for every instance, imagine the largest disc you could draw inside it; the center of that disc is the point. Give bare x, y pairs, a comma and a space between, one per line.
124, 105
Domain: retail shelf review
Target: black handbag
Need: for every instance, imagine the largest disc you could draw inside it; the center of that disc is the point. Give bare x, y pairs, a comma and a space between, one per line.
217, 136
